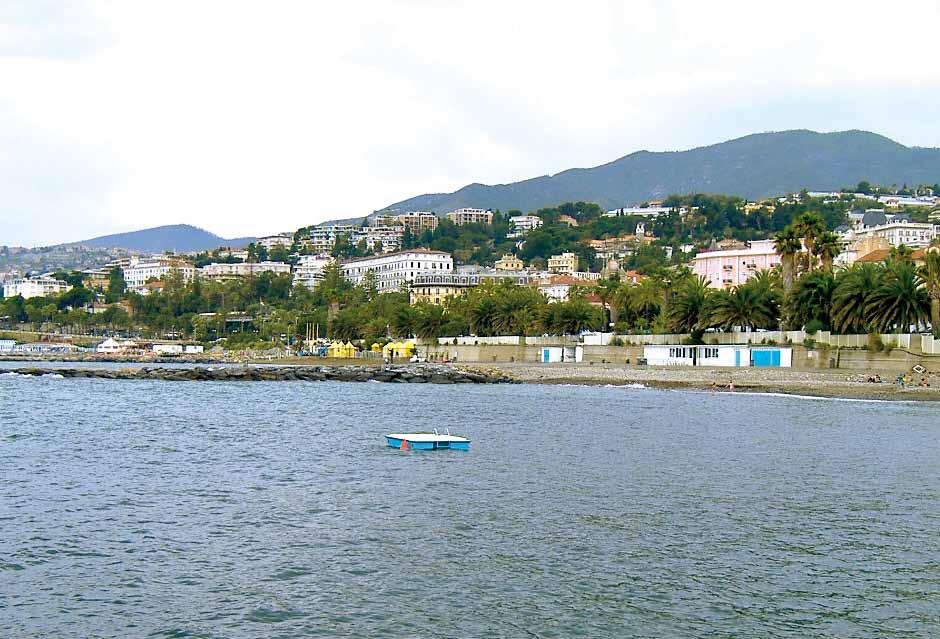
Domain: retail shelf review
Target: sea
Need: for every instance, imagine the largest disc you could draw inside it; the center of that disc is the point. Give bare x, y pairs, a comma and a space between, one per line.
275, 509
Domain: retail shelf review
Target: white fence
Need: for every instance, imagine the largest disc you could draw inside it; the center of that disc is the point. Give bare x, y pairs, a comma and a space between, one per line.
925, 343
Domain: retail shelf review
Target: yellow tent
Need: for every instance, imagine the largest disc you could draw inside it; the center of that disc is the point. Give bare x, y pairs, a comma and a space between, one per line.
376, 348
336, 349
350, 350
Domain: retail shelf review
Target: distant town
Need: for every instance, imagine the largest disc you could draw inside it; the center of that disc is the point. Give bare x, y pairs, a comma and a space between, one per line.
860, 260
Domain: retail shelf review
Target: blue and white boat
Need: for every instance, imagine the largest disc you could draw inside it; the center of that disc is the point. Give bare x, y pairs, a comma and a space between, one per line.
427, 441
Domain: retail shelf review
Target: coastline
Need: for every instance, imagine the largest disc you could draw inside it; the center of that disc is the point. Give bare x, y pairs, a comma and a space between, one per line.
830, 383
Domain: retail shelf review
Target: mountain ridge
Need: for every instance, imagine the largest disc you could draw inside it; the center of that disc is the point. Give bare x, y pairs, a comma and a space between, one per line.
755, 166
183, 238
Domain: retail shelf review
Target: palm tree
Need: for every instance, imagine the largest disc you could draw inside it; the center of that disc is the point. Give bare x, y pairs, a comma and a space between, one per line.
429, 320
901, 300
646, 298
930, 275
812, 227
687, 305
854, 287
606, 289
787, 243
827, 247
746, 306
482, 316
812, 298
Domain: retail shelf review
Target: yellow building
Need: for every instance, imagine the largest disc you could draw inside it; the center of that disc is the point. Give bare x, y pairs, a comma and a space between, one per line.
509, 262
566, 263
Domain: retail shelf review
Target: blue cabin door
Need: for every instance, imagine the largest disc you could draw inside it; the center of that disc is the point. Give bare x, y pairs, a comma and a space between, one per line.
546, 354
770, 357
737, 357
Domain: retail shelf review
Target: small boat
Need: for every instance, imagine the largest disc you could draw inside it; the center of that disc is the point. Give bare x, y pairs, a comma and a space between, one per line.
427, 441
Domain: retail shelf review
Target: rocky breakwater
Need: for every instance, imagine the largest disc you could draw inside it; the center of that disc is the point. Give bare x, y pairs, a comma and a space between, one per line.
411, 374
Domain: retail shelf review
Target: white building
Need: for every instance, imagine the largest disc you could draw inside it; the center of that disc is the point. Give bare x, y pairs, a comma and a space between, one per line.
388, 238
284, 240
142, 270
470, 216
522, 224
643, 211
396, 270
168, 349
415, 221
912, 234
113, 346
733, 267
724, 356
309, 269
34, 287
558, 288
223, 271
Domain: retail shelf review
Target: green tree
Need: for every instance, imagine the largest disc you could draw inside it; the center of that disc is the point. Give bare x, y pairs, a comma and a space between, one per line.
116, 285
788, 245
854, 287
687, 307
900, 302
930, 275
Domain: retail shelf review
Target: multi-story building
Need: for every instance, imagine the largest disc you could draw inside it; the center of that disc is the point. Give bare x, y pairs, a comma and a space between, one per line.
142, 270
643, 211
96, 277
733, 267
34, 287
390, 238
309, 269
509, 262
912, 234
221, 272
395, 270
322, 239
436, 288
522, 224
470, 216
566, 263
284, 240
558, 287
415, 221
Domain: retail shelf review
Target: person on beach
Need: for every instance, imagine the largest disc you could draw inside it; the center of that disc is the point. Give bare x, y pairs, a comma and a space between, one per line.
924, 383
714, 386
731, 385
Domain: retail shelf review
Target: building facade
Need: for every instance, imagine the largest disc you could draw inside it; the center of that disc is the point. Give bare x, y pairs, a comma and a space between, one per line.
470, 216
733, 267
509, 262
283, 240
34, 287
912, 234
566, 263
522, 224
434, 289
309, 269
223, 271
396, 270
142, 270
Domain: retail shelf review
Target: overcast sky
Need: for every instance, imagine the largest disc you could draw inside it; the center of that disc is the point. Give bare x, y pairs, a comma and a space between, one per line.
249, 118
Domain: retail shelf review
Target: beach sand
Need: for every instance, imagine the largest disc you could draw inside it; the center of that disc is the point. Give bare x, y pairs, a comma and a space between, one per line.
823, 383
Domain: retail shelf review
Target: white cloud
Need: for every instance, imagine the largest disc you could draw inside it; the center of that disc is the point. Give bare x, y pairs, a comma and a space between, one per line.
246, 118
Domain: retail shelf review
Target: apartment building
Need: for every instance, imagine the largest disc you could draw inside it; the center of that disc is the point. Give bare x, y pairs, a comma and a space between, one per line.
470, 216
222, 272
395, 270
733, 267
157, 267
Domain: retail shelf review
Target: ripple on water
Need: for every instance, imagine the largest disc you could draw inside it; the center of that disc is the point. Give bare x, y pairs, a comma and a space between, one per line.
218, 510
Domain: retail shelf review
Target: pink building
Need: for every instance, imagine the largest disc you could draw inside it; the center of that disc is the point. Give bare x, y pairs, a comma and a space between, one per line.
724, 269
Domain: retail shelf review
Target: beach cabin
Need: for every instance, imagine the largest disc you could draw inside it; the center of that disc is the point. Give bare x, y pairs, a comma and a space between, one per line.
558, 354
765, 356
727, 356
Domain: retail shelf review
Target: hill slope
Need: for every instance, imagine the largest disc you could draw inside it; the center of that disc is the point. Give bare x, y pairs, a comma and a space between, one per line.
755, 166
177, 237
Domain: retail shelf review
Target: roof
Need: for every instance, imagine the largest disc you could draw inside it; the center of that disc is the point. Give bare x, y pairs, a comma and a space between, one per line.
880, 255
396, 253
565, 280
872, 218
